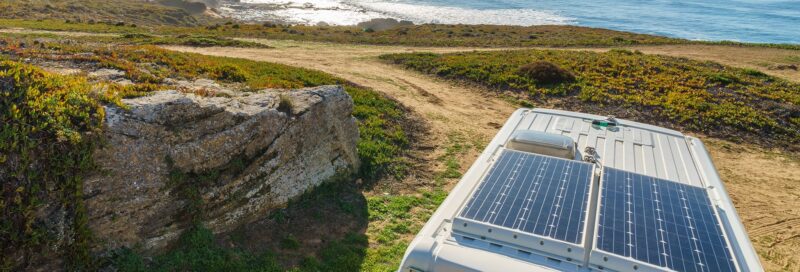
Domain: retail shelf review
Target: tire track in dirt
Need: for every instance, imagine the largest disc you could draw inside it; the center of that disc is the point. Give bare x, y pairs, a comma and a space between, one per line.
764, 185
783, 223
448, 109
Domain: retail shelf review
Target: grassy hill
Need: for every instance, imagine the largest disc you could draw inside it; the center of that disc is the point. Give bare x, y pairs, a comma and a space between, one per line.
441, 35
137, 12
490, 36
706, 97
40, 108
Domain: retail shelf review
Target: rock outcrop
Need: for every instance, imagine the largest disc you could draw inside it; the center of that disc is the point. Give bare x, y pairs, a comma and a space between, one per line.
173, 158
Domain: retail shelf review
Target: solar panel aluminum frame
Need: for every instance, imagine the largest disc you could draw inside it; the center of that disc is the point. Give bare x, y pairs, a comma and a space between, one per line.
603, 260
562, 250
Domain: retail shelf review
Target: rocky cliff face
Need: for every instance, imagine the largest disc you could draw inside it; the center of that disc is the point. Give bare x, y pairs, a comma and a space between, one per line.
174, 158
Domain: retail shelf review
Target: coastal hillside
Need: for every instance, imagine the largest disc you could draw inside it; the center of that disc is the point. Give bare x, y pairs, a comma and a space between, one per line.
376, 126
724, 102
87, 99
122, 12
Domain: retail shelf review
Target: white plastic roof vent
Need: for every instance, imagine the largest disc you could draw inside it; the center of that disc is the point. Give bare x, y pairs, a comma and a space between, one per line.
543, 143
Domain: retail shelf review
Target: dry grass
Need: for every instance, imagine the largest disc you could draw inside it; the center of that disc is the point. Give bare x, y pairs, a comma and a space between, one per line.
126, 12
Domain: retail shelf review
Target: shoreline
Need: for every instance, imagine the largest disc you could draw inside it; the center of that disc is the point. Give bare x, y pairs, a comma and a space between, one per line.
349, 13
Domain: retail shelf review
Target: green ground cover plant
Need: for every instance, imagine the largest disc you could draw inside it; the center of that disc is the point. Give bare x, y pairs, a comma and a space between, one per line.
390, 220
382, 137
413, 35
187, 40
138, 39
48, 128
409, 35
706, 97
67, 107
122, 12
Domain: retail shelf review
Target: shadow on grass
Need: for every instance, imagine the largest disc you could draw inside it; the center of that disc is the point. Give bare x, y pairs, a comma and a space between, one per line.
323, 230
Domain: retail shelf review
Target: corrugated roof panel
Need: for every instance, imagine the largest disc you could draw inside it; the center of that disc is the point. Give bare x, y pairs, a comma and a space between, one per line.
628, 147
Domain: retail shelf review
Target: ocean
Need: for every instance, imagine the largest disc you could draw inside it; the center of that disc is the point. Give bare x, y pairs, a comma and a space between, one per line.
763, 21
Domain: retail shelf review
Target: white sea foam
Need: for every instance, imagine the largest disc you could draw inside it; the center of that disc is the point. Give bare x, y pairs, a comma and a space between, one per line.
457, 15
349, 12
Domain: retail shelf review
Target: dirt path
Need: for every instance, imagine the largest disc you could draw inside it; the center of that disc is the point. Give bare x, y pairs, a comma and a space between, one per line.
764, 59
449, 110
765, 186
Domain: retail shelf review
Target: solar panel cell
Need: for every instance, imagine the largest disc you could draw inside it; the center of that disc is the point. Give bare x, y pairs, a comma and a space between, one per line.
660, 222
534, 194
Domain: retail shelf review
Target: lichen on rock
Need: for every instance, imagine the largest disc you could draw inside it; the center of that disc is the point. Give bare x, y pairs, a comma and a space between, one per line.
173, 159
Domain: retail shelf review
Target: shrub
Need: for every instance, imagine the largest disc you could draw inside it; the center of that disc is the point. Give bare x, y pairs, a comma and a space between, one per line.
228, 73
285, 105
545, 72
753, 72
137, 36
722, 78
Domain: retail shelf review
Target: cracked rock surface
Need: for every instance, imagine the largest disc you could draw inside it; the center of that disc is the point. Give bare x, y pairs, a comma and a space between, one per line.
241, 155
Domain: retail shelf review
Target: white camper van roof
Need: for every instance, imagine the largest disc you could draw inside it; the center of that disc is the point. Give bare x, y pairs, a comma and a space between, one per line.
624, 197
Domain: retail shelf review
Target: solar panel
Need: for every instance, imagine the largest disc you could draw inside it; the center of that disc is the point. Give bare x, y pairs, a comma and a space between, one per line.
659, 222
532, 194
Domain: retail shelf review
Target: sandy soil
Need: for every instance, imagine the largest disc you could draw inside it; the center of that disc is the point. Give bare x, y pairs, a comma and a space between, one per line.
448, 110
764, 185
763, 59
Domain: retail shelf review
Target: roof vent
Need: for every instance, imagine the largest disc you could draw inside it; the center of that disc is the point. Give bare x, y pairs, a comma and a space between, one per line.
549, 144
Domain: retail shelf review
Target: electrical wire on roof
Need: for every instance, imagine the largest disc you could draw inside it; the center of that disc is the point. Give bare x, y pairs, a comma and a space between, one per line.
591, 156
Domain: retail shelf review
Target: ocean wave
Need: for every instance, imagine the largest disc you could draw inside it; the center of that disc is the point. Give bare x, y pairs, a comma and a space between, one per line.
459, 15
353, 12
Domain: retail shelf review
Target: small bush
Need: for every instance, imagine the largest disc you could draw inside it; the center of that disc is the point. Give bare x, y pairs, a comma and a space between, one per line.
753, 72
290, 242
285, 105
545, 72
722, 78
137, 36
228, 73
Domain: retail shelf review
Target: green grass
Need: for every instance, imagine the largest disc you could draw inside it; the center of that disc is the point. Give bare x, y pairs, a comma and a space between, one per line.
390, 222
129, 12
382, 137
62, 25
439, 35
418, 35
705, 97
196, 251
380, 146
138, 39
768, 45
187, 40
